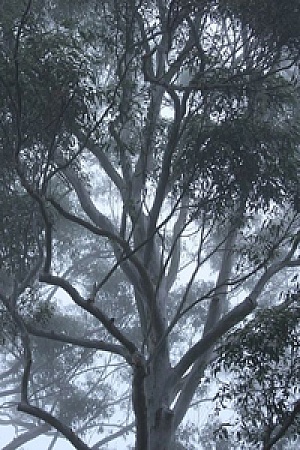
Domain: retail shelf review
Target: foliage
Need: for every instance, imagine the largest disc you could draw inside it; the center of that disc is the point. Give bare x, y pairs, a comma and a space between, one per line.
44, 90
261, 361
19, 230
274, 22
244, 153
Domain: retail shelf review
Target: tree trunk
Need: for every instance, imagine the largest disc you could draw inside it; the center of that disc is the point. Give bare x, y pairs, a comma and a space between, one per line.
160, 416
161, 432
152, 398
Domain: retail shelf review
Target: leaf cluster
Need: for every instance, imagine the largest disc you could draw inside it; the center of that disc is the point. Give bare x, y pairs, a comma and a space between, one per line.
247, 153
274, 22
263, 360
44, 89
20, 230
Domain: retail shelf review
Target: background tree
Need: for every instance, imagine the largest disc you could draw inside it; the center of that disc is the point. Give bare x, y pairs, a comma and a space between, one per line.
182, 109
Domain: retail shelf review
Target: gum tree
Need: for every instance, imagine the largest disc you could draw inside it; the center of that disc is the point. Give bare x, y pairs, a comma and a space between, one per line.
181, 110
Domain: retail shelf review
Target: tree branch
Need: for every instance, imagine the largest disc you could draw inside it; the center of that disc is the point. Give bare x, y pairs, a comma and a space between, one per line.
27, 436
284, 427
103, 223
113, 436
54, 422
95, 344
217, 307
165, 171
141, 281
199, 366
175, 251
234, 316
103, 160
231, 319
27, 357
91, 308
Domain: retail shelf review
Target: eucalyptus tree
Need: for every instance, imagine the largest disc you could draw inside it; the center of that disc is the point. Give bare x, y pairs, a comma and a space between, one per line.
181, 108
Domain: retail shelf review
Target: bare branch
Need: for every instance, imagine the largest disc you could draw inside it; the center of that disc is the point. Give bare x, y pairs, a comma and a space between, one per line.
175, 251
91, 308
95, 344
103, 160
163, 178
231, 319
54, 422
101, 221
